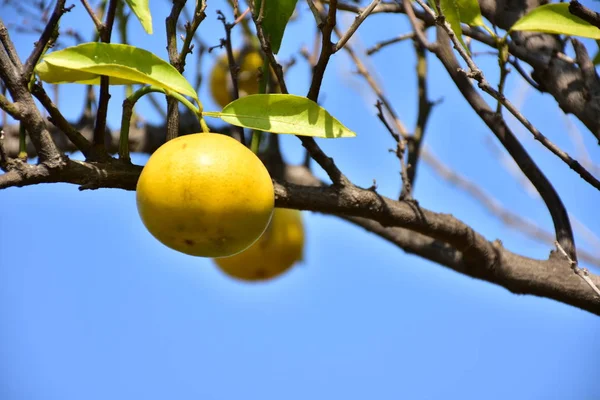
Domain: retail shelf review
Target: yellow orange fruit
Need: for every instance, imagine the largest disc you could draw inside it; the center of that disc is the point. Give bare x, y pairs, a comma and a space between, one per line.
205, 194
248, 76
277, 250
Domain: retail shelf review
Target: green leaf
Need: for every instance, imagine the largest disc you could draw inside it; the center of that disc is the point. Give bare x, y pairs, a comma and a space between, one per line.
450, 11
470, 13
556, 18
276, 15
142, 11
596, 59
124, 64
52, 74
283, 113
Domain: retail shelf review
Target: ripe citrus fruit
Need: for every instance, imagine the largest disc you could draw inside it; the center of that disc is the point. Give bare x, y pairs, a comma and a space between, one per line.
280, 247
205, 195
248, 75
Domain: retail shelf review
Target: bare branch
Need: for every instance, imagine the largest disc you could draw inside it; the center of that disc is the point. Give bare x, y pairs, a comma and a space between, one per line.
512, 145
508, 217
384, 43
405, 193
357, 21
100, 128
327, 163
326, 52
61, 123
97, 22
43, 41
439, 237
425, 106
577, 9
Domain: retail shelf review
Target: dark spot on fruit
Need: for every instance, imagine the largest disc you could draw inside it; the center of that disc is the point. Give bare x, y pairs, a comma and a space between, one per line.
183, 146
180, 227
189, 242
261, 273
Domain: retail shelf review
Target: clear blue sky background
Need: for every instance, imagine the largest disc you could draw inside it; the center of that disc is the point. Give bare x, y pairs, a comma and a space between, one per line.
92, 307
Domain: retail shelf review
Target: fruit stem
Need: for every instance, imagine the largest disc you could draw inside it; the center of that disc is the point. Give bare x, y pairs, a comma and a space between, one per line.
255, 143
130, 101
197, 111
128, 104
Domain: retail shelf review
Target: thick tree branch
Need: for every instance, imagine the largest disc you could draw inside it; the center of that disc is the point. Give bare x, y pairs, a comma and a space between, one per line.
440, 237
29, 115
61, 123
498, 126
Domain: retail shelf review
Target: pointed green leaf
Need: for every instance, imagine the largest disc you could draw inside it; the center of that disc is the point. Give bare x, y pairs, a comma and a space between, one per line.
124, 64
276, 15
283, 113
470, 13
450, 11
52, 74
142, 11
556, 18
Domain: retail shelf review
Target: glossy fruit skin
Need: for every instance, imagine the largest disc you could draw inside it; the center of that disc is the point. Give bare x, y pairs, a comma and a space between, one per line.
206, 195
248, 76
277, 250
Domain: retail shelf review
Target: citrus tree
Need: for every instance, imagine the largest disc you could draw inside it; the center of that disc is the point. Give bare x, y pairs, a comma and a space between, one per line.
205, 194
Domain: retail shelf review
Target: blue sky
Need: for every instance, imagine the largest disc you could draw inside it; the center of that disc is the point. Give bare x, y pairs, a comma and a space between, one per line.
92, 307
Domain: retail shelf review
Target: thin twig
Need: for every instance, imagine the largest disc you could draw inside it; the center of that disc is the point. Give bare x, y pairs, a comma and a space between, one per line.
477, 74
43, 41
309, 143
384, 43
425, 106
233, 67
315, 13
493, 206
416, 25
93, 16
100, 127
405, 193
364, 72
514, 61
357, 21
326, 52
499, 127
190, 31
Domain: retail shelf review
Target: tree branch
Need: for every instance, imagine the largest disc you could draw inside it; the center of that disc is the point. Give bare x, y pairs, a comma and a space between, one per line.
577, 9
498, 126
440, 237
309, 143
40, 45
357, 21
100, 128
